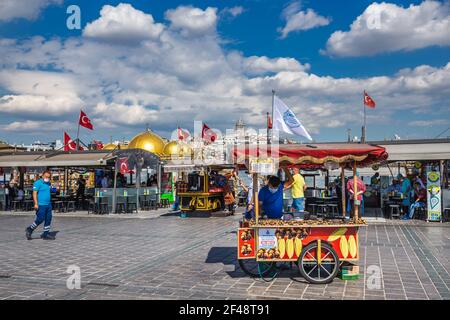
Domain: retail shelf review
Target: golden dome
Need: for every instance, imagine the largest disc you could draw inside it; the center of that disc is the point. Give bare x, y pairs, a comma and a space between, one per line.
113, 146
173, 148
148, 141
109, 146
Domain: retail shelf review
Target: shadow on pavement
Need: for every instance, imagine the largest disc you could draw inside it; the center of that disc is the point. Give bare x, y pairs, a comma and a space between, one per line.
228, 256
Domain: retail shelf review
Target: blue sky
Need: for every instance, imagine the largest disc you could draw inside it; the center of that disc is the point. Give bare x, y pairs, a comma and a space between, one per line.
217, 61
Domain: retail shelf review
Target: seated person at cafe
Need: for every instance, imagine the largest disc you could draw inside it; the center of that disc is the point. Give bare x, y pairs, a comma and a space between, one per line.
421, 199
394, 187
375, 179
271, 197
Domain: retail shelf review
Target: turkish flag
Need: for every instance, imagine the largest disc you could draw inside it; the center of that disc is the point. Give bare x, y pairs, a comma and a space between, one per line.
182, 134
84, 121
123, 165
69, 144
269, 121
368, 101
207, 134
98, 145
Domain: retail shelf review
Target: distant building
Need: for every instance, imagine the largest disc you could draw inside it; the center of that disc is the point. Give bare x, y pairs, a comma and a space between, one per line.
40, 146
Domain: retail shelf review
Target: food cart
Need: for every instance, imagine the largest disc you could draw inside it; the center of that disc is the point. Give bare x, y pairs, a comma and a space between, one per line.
320, 247
200, 188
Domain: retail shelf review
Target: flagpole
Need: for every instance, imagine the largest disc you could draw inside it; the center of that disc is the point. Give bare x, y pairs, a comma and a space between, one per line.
78, 134
363, 133
273, 101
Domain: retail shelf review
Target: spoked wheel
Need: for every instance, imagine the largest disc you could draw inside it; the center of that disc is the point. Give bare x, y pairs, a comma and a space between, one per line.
315, 270
256, 269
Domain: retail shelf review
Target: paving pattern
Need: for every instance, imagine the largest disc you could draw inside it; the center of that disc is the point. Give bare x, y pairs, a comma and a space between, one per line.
167, 257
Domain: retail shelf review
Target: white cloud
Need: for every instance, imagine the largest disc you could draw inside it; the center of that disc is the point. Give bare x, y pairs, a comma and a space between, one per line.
193, 21
124, 114
298, 20
427, 123
123, 24
178, 79
232, 11
30, 9
31, 126
38, 92
45, 106
260, 65
386, 27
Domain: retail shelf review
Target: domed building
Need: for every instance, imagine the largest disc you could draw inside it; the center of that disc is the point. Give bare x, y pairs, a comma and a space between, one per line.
174, 149
149, 141
113, 146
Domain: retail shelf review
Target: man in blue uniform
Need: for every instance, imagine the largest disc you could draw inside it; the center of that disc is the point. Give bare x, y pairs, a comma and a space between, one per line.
43, 206
271, 196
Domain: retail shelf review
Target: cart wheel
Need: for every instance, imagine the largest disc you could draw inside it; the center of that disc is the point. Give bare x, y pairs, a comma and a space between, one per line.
256, 269
315, 272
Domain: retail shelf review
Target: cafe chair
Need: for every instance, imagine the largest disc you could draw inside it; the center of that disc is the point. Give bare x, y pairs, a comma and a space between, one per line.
59, 206
420, 213
144, 202
16, 205
394, 211
70, 206
120, 205
333, 209
104, 209
312, 208
164, 203
29, 205
153, 203
131, 207
321, 210
92, 206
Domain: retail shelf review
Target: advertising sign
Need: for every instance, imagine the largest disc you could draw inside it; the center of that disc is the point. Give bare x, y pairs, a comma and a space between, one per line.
263, 166
434, 196
246, 243
267, 238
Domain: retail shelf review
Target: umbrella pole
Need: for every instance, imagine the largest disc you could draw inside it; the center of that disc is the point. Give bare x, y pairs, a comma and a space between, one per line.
343, 191
114, 199
255, 197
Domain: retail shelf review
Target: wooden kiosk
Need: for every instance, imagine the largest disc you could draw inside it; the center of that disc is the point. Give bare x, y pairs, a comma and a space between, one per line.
321, 247
198, 190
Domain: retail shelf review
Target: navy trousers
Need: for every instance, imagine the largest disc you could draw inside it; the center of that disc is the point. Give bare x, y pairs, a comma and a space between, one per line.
43, 214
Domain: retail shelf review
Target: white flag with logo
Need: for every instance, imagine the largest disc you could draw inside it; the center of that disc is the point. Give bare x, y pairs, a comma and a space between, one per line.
285, 120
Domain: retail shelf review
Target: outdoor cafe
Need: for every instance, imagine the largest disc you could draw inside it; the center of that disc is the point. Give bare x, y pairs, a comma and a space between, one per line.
106, 188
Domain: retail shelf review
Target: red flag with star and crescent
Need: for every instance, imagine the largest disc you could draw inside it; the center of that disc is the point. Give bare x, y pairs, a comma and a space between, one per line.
368, 101
183, 134
84, 121
208, 134
69, 144
123, 165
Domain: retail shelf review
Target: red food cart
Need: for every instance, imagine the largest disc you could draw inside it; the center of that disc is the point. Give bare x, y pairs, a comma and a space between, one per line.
318, 247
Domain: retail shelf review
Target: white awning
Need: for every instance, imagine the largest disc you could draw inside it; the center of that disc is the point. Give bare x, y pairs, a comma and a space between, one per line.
61, 159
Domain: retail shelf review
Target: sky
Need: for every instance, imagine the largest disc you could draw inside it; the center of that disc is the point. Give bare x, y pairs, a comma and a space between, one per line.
162, 64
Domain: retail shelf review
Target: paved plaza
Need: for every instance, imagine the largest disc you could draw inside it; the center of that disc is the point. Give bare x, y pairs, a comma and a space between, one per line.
163, 256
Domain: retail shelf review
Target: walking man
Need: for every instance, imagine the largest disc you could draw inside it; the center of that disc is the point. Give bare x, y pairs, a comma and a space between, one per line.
43, 206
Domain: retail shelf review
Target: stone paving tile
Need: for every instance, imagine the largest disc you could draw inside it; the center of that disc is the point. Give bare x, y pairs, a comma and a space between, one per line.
173, 258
